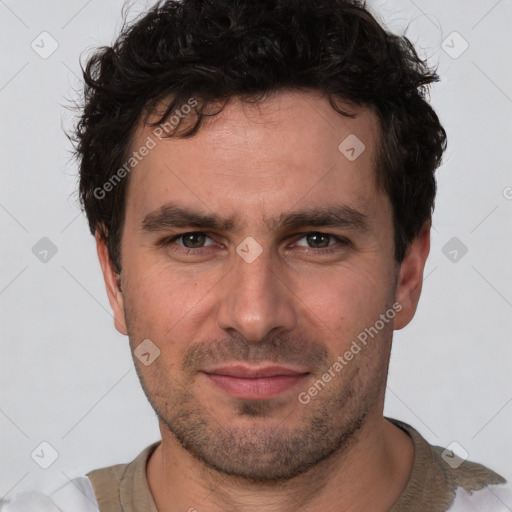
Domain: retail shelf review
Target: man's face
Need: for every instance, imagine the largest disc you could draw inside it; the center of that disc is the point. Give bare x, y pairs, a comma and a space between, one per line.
250, 311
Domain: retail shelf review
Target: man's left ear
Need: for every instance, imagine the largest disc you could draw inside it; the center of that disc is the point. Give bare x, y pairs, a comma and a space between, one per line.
410, 276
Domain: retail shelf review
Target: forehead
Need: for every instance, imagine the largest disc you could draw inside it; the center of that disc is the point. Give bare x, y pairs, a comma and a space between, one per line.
288, 150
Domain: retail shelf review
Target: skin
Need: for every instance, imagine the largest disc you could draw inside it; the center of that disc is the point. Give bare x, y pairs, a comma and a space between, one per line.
294, 305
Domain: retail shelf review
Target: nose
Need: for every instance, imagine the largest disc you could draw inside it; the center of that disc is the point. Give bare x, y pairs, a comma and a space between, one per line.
255, 299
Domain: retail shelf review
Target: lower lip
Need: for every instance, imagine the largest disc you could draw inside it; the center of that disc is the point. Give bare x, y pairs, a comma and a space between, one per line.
256, 388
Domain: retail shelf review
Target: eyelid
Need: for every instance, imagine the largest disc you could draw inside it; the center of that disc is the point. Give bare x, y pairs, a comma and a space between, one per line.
337, 238
173, 238
195, 233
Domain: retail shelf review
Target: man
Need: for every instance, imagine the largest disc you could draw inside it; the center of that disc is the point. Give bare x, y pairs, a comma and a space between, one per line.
259, 177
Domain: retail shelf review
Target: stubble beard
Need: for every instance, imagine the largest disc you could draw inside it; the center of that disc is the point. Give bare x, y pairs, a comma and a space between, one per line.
264, 449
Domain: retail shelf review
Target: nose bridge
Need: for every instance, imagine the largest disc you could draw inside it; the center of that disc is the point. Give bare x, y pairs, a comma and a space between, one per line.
254, 300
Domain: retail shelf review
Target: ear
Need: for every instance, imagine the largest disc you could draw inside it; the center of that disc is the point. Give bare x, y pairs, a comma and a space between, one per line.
112, 283
410, 276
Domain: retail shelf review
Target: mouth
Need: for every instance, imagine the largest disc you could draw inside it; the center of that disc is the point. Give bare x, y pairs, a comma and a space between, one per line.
250, 382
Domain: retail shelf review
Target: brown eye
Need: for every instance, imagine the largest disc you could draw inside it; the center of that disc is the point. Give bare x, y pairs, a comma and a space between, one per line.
318, 240
193, 240
317, 243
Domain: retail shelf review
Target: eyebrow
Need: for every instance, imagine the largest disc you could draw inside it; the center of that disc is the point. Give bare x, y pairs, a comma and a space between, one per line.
172, 215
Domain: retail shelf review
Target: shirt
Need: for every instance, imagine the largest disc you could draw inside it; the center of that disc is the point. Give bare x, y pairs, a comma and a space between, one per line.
440, 481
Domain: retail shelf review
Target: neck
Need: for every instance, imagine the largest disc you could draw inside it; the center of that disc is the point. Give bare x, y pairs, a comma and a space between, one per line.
370, 474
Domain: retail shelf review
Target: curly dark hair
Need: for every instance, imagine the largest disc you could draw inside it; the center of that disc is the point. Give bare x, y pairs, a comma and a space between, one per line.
215, 50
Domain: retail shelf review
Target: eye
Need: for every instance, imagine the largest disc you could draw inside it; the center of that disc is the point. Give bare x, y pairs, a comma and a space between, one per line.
194, 242
190, 241
317, 240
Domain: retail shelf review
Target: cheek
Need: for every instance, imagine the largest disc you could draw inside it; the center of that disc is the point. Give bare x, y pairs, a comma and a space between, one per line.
342, 292
343, 304
162, 300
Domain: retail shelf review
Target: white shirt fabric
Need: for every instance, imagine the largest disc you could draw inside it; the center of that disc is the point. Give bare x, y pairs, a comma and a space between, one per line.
76, 496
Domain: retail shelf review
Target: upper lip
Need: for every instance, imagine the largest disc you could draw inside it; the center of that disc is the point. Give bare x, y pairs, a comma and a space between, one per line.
253, 372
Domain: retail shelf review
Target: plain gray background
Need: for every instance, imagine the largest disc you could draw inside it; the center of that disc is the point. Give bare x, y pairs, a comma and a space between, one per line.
67, 377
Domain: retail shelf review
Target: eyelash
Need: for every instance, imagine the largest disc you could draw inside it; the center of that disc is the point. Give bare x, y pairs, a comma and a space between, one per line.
168, 242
